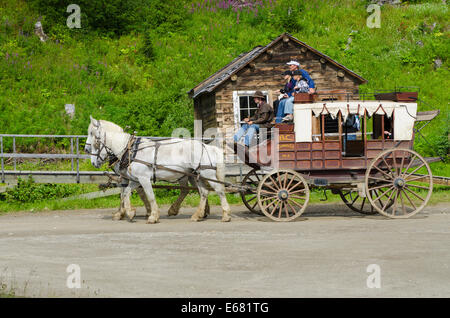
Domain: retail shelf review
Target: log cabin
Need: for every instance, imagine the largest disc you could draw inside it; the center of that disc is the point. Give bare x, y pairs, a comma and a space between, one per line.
223, 99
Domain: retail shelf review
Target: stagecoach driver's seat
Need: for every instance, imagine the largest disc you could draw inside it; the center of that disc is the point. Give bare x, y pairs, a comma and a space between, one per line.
261, 119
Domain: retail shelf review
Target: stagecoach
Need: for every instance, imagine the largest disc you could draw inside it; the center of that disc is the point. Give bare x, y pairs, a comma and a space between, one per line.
373, 167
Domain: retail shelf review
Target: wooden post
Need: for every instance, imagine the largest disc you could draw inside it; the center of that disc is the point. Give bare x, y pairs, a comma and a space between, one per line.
340, 137
315, 126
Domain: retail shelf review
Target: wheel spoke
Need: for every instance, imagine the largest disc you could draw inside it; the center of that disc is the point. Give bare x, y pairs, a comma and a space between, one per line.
297, 197
389, 168
412, 203
417, 186
274, 183
275, 208
252, 198
423, 164
300, 182
280, 209
280, 185
362, 204
286, 210
285, 180
415, 194
381, 186
403, 203
290, 182
354, 200
416, 178
395, 201
379, 179
390, 177
401, 165
269, 198
292, 208
268, 192
394, 157
384, 193
387, 202
297, 191
409, 165
296, 203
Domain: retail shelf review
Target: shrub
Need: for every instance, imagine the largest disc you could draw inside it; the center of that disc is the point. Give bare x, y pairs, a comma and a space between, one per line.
29, 191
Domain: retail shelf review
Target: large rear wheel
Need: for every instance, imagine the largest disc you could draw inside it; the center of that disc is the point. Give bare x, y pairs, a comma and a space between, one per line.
392, 175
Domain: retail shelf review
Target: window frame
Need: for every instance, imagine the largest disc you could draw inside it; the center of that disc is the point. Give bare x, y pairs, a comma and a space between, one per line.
236, 104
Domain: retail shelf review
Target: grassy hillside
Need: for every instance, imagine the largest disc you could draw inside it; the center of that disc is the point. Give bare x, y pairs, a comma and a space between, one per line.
133, 63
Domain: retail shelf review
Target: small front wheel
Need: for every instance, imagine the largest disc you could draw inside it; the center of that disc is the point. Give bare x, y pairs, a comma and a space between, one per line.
283, 195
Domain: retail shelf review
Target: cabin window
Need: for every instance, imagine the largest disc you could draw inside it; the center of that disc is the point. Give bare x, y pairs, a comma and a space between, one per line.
244, 105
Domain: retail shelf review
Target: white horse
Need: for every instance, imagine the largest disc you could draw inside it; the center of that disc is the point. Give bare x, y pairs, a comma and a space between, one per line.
170, 160
184, 182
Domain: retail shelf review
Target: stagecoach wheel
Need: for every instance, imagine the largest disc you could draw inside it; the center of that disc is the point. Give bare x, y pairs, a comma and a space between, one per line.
392, 175
283, 195
250, 199
354, 201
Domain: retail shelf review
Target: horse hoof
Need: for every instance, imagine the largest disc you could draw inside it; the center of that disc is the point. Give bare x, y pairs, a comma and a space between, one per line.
152, 220
117, 217
226, 218
195, 219
172, 212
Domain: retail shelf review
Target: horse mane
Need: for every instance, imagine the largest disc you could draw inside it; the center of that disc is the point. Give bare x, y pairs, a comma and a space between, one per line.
111, 126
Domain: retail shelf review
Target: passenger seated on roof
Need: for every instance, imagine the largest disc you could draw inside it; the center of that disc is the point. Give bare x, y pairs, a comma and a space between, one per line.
303, 84
261, 119
285, 93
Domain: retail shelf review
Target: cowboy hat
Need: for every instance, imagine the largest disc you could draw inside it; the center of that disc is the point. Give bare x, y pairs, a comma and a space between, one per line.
259, 94
293, 63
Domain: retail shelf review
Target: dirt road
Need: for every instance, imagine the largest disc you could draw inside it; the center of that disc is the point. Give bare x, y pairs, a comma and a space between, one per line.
325, 253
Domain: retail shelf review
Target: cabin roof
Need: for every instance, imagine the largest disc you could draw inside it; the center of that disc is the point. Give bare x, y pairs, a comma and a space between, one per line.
210, 83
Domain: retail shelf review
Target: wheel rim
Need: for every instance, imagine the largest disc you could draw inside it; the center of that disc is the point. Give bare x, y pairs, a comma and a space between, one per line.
283, 195
391, 174
250, 198
360, 204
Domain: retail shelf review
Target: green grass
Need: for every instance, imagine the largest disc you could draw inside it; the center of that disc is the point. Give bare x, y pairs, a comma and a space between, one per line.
440, 194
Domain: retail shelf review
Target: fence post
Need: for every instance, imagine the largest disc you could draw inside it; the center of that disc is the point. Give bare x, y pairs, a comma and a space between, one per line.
1, 151
71, 149
78, 163
14, 151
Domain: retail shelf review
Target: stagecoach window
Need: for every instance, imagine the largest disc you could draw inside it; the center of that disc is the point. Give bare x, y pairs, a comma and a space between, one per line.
331, 125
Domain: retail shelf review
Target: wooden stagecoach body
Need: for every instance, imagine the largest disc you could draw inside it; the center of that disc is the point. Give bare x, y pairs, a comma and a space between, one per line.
379, 164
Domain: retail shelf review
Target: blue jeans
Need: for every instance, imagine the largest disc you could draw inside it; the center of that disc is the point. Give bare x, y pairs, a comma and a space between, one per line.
280, 110
289, 107
247, 130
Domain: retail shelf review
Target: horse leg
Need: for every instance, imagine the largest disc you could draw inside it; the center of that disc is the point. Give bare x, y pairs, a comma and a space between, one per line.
219, 188
125, 198
144, 199
193, 182
203, 190
175, 207
148, 189
118, 215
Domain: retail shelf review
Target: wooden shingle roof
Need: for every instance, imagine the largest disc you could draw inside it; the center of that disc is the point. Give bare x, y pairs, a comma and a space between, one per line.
210, 83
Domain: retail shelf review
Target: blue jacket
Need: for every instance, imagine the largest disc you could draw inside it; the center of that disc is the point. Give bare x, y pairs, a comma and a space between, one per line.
308, 78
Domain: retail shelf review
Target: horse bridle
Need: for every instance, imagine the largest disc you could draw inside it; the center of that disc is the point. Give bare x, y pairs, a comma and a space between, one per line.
98, 144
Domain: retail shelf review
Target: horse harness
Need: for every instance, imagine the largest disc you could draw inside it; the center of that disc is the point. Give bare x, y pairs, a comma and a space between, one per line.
129, 156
